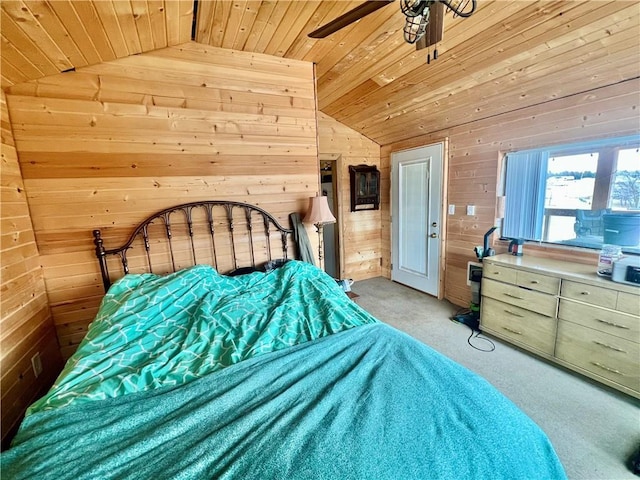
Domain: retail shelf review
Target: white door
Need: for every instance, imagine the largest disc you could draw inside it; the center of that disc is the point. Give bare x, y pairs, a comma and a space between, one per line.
417, 206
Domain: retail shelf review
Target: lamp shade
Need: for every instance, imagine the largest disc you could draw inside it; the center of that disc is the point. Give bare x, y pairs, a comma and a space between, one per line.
319, 211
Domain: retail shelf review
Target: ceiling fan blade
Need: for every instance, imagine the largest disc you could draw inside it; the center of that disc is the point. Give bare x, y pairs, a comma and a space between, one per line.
349, 17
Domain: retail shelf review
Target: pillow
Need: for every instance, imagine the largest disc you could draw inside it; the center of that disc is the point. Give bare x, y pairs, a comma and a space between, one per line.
273, 264
270, 266
242, 271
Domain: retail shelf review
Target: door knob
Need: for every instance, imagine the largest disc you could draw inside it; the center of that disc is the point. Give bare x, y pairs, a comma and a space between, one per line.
433, 235
434, 224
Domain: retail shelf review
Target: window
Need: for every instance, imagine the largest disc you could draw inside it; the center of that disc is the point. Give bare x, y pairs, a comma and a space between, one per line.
583, 194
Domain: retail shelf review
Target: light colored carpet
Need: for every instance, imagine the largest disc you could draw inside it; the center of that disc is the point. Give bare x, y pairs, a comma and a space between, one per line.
594, 429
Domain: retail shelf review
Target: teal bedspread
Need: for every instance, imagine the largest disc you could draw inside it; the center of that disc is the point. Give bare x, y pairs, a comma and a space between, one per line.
368, 403
342, 403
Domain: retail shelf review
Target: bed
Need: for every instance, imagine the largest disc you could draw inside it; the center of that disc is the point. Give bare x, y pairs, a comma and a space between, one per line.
266, 372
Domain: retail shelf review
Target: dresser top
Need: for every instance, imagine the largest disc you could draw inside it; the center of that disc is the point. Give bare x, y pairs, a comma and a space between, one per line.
566, 270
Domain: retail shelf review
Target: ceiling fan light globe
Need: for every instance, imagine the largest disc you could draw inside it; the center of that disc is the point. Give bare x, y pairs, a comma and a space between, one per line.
415, 28
461, 8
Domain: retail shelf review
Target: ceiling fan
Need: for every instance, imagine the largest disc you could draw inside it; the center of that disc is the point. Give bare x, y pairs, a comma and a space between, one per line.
424, 22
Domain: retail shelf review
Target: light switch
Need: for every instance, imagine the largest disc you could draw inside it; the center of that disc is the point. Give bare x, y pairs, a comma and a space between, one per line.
471, 209
452, 209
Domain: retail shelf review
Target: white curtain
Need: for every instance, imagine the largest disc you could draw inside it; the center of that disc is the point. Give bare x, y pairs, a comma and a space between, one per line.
525, 188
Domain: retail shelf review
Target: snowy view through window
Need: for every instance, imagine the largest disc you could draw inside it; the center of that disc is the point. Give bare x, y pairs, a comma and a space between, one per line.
571, 183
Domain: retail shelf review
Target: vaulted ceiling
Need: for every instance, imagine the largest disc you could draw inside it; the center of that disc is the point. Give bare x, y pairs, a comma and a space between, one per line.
508, 55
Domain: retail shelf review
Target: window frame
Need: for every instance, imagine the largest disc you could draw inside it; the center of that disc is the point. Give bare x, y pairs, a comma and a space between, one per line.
605, 176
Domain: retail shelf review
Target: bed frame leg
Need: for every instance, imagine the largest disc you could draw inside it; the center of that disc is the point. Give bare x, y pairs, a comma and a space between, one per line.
101, 254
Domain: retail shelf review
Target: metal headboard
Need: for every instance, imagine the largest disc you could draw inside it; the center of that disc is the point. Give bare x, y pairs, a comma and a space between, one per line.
225, 225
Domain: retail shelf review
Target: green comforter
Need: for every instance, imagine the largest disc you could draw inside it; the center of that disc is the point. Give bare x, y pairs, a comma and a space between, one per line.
154, 331
362, 403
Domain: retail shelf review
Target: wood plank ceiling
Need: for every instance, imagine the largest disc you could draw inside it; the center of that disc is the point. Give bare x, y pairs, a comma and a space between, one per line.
507, 56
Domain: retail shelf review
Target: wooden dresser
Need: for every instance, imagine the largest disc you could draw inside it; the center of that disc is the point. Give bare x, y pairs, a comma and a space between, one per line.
564, 312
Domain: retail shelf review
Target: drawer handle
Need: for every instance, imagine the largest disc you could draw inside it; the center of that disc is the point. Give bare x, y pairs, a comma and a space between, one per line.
535, 282
512, 331
584, 293
613, 324
496, 273
514, 296
514, 313
604, 367
611, 347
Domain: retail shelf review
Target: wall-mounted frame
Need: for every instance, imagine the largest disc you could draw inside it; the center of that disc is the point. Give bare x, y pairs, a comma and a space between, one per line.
365, 187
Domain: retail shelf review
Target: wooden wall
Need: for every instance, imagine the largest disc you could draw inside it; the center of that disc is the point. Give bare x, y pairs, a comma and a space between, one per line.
107, 145
26, 324
475, 149
361, 231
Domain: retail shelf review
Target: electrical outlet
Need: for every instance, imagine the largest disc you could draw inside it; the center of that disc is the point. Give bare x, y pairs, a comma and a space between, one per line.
36, 363
471, 209
452, 209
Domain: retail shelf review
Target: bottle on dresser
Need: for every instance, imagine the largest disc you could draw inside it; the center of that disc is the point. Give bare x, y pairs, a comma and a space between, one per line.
608, 255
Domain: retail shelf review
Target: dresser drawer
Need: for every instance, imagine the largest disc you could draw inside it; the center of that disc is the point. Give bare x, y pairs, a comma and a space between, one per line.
541, 283
600, 353
498, 272
521, 297
608, 321
602, 297
519, 325
629, 303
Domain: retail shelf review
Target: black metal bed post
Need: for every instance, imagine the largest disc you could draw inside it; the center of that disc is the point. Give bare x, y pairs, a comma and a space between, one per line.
101, 254
247, 212
283, 236
167, 224
212, 233
267, 232
229, 208
187, 212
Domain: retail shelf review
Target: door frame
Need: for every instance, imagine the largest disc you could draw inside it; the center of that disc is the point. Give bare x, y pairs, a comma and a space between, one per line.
444, 224
336, 176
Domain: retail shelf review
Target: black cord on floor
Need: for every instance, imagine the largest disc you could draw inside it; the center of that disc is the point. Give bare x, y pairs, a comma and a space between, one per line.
477, 335
466, 311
